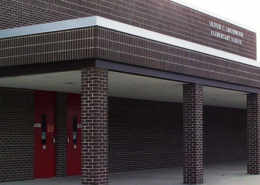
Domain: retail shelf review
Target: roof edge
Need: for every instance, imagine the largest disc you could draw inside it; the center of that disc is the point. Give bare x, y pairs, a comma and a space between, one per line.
124, 28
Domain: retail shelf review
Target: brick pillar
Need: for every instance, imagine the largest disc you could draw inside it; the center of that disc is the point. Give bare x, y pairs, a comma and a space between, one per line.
61, 135
94, 107
193, 134
253, 133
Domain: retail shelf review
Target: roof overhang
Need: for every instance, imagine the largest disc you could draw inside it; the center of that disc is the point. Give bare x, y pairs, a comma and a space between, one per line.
124, 28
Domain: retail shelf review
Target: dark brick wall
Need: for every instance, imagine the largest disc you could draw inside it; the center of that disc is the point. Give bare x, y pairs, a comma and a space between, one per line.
143, 134
224, 134
162, 16
16, 134
94, 110
148, 134
61, 135
16, 13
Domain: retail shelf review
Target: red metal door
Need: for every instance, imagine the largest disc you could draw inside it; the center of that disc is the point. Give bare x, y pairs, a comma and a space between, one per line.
74, 134
44, 134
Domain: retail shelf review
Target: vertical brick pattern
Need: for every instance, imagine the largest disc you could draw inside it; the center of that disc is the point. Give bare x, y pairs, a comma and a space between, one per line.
16, 134
94, 107
61, 135
193, 133
253, 133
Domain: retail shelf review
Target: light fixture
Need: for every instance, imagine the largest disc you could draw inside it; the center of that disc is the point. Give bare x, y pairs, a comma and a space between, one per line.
69, 83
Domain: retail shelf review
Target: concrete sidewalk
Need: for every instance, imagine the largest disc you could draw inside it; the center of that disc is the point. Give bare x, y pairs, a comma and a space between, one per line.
216, 174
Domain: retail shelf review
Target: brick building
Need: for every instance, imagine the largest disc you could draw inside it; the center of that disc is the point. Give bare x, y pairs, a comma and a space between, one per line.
93, 87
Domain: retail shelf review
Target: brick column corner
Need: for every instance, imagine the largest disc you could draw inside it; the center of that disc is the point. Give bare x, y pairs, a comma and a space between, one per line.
94, 110
193, 134
253, 133
61, 135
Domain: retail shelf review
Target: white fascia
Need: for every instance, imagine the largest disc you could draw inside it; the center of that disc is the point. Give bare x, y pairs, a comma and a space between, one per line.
124, 28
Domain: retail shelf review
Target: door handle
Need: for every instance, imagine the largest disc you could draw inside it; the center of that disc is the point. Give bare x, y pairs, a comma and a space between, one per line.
44, 129
54, 140
68, 140
74, 129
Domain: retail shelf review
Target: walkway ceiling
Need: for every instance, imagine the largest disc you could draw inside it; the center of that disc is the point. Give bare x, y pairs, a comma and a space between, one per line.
126, 86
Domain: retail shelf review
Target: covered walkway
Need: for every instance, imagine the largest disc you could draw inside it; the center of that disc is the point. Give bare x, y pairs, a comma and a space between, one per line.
233, 173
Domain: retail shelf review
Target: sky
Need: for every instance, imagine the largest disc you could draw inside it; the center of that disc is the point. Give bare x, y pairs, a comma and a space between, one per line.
246, 13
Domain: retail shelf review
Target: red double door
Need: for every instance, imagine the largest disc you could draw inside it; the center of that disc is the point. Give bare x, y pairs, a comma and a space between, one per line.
45, 134
74, 134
